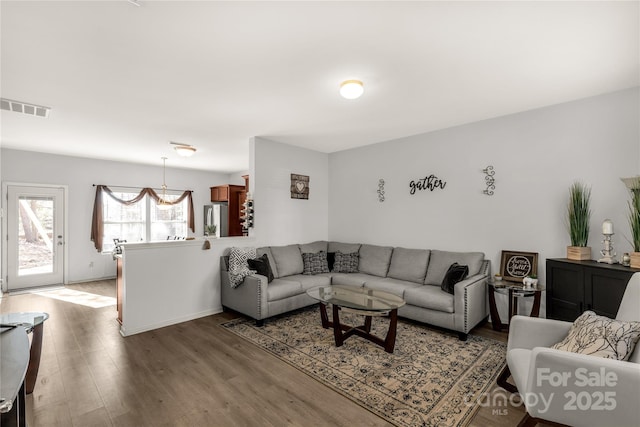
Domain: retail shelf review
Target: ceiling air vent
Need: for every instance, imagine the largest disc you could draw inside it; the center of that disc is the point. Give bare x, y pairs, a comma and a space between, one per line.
25, 108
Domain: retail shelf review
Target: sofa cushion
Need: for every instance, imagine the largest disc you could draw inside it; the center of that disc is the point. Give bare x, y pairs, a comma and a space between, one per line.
272, 263
309, 282
456, 273
351, 279
375, 260
430, 297
409, 264
262, 267
314, 247
346, 263
440, 261
345, 248
288, 260
315, 263
392, 286
281, 289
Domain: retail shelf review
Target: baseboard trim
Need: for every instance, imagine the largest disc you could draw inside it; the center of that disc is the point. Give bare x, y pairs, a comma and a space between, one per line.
125, 332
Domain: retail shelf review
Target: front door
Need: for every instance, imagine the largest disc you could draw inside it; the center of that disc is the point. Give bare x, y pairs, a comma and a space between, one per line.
35, 236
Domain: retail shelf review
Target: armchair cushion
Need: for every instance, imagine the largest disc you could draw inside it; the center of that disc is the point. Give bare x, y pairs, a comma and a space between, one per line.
600, 336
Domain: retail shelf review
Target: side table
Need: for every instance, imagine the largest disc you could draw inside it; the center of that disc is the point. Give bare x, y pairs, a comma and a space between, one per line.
32, 322
514, 292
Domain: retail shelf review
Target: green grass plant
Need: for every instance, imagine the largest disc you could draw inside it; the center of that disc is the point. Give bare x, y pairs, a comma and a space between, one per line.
579, 213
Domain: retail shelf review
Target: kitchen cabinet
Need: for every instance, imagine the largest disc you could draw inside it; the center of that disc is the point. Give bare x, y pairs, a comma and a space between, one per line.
576, 286
234, 196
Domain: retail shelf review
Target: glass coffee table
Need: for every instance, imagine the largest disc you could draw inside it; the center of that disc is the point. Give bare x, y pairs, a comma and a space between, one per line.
32, 322
366, 302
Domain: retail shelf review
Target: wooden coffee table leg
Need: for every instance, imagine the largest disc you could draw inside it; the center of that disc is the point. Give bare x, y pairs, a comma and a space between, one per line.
337, 329
367, 324
323, 316
390, 341
34, 358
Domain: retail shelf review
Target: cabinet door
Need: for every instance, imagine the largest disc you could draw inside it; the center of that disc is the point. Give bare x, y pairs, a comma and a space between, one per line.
604, 289
220, 193
565, 290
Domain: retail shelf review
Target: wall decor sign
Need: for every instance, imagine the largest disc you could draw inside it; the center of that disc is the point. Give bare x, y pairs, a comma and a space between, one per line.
489, 180
299, 186
430, 182
515, 266
381, 190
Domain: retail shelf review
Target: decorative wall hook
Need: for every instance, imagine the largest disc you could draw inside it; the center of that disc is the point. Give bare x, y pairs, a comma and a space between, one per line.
489, 180
381, 190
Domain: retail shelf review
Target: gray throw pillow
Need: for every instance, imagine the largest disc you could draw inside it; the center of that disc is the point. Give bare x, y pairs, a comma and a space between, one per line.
315, 263
345, 263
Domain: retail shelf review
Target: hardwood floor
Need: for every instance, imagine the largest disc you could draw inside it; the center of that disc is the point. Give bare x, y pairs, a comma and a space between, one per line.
191, 374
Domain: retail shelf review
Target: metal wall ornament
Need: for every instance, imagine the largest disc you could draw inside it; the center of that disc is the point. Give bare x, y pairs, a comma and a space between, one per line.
489, 179
381, 190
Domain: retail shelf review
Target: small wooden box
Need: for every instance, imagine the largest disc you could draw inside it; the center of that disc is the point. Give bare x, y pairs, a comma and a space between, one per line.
578, 253
635, 259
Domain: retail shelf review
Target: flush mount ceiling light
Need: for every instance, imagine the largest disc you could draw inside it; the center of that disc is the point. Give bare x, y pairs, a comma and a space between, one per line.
351, 89
185, 150
24, 107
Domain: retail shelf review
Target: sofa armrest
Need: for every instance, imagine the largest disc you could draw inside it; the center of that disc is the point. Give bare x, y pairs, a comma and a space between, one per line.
530, 332
470, 305
578, 389
248, 298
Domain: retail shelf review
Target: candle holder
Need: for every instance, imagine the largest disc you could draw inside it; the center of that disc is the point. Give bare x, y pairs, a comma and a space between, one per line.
608, 254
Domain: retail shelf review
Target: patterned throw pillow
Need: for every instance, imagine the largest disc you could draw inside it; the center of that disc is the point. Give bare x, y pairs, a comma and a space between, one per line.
345, 263
315, 263
238, 266
600, 336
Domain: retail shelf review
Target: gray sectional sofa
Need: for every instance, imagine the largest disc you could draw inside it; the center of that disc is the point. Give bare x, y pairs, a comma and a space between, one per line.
413, 274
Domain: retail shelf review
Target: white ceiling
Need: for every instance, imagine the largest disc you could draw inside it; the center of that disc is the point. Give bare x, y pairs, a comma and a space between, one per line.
123, 80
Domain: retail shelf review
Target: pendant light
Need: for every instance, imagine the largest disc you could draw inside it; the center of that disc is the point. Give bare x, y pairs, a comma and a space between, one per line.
163, 203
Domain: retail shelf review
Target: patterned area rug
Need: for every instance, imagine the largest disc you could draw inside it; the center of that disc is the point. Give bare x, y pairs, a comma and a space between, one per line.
431, 379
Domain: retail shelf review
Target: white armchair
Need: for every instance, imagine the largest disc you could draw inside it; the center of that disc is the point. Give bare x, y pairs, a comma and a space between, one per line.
569, 388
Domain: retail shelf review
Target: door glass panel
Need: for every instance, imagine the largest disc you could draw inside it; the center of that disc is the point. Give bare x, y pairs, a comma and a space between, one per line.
35, 235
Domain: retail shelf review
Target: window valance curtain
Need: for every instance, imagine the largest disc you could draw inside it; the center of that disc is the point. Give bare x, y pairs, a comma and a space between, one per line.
97, 222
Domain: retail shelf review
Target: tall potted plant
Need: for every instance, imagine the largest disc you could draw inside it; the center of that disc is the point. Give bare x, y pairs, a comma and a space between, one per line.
579, 215
634, 222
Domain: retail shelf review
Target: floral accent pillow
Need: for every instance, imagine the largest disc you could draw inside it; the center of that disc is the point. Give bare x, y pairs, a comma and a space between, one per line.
600, 336
346, 263
315, 263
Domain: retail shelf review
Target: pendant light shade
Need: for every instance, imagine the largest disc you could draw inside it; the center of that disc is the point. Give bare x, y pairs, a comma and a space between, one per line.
163, 203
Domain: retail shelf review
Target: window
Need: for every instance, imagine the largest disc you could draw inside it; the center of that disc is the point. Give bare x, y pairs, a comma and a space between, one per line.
142, 221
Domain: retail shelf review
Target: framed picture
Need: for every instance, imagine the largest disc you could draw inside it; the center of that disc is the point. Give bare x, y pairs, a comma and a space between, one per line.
299, 186
515, 266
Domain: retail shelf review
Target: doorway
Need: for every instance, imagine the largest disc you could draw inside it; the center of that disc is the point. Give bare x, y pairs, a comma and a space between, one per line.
35, 236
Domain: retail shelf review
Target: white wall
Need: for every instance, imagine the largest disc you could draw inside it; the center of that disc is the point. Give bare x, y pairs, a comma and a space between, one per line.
536, 155
279, 219
79, 174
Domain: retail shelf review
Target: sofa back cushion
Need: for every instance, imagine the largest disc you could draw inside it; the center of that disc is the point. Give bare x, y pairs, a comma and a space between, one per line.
314, 247
375, 260
272, 262
440, 261
345, 248
409, 264
288, 260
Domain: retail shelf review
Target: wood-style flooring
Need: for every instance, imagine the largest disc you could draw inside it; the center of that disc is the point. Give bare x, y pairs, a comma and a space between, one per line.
191, 374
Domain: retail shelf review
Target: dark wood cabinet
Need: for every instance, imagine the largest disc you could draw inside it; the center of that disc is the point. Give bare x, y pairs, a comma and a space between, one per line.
234, 196
576, 286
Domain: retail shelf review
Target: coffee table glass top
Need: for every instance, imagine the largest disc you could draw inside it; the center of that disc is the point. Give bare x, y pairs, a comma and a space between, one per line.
356, 298
27, 320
